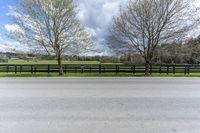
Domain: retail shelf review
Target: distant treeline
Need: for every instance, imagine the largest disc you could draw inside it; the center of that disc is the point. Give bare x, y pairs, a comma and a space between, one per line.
174, 53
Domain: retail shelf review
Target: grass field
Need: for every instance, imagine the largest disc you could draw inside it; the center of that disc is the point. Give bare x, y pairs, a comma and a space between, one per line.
13, 61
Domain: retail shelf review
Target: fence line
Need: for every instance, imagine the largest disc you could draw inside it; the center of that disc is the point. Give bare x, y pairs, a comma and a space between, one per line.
98, 68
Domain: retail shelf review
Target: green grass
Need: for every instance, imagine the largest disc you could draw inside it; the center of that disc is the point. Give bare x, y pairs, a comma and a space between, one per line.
95, 75
13, 61
177, 75
66, 75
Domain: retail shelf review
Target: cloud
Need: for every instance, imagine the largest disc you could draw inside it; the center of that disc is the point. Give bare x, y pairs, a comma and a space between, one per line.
9, 46
11, 11
96, 16
11, 28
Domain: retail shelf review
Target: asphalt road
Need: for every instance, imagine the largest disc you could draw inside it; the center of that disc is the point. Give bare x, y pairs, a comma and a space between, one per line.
100, 105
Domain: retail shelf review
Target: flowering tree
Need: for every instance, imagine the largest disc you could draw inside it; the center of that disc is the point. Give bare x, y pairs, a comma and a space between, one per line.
50, 26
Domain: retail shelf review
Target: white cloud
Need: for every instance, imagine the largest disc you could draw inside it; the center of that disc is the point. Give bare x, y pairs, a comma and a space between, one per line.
12, 28
8, 45
11, 11
97, 15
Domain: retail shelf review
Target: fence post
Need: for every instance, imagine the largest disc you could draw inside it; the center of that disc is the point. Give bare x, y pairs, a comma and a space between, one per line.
167, 69
185, 70
82, 69
150, 69
31, 69
35, 69
65, 68
117, 69
100, 69
7, 69
174, 69
90, 69
188, 70
48, 69
160, 70
132, 69
15, 69
21, 69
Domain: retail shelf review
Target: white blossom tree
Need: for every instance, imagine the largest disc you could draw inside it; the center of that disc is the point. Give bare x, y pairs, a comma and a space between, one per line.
50, 25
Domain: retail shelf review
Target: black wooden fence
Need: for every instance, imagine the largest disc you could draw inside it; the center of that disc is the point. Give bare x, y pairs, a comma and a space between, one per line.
102, 68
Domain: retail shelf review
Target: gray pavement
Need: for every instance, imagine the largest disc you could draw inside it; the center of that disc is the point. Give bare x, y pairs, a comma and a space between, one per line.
100, 105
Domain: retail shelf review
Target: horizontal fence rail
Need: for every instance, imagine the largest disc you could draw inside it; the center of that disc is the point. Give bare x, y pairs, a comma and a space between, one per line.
102, 68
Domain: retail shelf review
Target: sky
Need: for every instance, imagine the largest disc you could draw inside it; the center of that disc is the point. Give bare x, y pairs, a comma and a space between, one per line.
5, 42
3, 10
95, 15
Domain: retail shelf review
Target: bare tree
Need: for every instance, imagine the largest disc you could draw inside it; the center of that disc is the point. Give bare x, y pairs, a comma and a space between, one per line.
147, 23
51, 26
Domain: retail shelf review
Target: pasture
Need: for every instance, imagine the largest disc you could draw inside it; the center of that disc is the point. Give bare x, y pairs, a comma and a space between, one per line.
21, 62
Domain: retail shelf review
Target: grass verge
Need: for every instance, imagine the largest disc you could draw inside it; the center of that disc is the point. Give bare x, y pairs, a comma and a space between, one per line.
95, 75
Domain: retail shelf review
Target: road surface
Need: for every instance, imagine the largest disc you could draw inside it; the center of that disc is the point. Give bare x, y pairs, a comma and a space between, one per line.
100, 105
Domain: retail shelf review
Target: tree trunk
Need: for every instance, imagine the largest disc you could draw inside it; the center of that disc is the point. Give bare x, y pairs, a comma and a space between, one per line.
60, 66
147, 68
